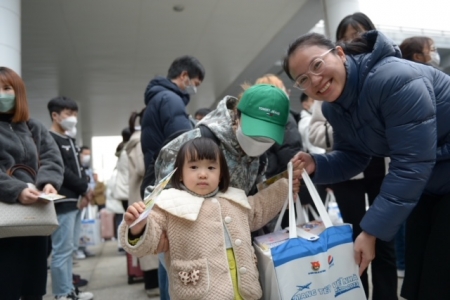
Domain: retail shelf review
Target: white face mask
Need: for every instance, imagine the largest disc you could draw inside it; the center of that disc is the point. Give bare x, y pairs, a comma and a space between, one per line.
69, 123
251, 146
435, 59
191, 89
85, 160
71, 133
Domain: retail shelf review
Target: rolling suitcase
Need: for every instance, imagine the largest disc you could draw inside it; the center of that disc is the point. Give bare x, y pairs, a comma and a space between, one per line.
107, 224
134, 272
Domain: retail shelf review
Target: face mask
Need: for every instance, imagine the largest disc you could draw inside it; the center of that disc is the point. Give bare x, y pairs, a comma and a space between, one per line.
69, 123
252, 147
191, 89
71, 133
435, 59
7, 102
85, 160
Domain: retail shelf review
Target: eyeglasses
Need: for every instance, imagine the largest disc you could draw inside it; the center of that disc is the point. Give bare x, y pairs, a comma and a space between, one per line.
316, 67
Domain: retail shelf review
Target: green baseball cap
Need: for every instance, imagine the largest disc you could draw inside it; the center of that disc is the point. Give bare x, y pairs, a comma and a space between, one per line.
264, 112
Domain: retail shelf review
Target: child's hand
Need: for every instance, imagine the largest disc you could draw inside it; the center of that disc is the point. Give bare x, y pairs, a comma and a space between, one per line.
132, 214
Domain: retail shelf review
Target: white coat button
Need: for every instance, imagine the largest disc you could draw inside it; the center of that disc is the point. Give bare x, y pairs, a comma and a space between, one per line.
227, 219
242, 270
214, 200
238, 242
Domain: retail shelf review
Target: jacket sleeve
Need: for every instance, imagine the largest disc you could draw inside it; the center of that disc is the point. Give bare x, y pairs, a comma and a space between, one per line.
148, 242
10, 188
410, 121
51, 167
267, 203
319, 129
136, 161
73, 182
173, 114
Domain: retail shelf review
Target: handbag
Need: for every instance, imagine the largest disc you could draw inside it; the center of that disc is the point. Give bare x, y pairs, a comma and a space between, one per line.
37, 219
310, 261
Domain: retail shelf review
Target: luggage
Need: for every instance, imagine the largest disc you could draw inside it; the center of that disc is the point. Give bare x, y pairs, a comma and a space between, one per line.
107, 224
134, 272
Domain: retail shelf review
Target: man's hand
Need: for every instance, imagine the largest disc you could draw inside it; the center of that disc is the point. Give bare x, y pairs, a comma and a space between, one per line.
133, 212
83, 202
28, 196
364, 250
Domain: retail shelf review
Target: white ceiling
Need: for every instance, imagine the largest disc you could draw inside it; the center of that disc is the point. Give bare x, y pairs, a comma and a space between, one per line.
103, 53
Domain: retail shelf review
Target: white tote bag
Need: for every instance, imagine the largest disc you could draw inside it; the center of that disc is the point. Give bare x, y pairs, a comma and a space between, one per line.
311, 266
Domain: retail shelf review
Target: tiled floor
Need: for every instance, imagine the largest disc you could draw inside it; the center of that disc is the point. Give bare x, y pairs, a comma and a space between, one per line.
107, 276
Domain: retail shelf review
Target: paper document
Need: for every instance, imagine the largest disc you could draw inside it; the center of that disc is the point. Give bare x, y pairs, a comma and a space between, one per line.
50, 197
150, 199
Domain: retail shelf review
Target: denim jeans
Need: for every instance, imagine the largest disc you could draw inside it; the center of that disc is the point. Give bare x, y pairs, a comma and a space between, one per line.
400, 247
163, 279
77, 231
62, 244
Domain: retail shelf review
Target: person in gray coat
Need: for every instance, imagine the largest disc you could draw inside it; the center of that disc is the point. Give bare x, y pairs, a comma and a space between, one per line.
24, 141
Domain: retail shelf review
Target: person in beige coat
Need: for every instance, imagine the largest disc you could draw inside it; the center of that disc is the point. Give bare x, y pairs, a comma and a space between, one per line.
208, 225
136, 171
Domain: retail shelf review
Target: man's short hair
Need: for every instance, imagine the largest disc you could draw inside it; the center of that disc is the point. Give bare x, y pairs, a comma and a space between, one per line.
202, 112
189, 64
303, 98
82, 148
61, 103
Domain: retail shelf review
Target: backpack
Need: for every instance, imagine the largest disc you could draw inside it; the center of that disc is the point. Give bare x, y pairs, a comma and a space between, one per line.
149, 178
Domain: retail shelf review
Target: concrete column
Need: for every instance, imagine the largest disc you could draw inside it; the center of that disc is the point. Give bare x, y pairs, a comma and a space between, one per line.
335, 11
10, 35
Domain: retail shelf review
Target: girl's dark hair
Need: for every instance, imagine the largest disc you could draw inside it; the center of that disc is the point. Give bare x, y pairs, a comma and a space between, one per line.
355, 20
132, 121
198, 149
413, 45
309, 39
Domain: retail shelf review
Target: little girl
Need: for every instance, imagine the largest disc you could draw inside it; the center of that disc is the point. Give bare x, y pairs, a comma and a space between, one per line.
208, 226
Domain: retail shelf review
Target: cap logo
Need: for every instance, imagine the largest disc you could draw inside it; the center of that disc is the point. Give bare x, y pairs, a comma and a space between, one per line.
269, 111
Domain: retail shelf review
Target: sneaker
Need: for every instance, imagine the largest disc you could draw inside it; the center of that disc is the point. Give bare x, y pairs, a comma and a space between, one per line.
68, 297
79, 254
400, 273
152, 292
83, 295
80, 282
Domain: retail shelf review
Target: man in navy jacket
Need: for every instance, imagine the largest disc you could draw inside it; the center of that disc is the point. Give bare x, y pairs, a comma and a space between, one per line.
166, 99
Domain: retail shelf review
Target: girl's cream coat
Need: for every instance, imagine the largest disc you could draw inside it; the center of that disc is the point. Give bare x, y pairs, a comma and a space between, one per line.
195, 228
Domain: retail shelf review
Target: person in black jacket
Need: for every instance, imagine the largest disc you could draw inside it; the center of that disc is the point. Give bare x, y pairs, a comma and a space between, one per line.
166, 99
63, 112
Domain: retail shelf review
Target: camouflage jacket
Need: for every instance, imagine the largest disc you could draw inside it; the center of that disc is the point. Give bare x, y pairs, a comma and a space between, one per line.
243, 169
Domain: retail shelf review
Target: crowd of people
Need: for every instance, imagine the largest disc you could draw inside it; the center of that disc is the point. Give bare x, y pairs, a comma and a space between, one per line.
372, 126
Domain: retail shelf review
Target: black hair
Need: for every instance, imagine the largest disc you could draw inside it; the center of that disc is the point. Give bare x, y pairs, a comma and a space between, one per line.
132, 121
203, 112
198, 149
126, 134
356, 21
303, 97
58, 104
189, 64
413, 45
309, 39
82, 148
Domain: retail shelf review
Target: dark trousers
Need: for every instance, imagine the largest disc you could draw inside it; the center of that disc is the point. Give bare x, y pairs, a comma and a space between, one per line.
350, 196
427, 263
23, 265
151, 279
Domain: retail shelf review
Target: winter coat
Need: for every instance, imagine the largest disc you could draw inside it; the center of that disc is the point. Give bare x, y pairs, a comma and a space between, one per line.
120, 189
165, 114
279, 156
396, 108
136, 170
195, 229
29, 145
75, 183
304, 128
244, 170
99, 194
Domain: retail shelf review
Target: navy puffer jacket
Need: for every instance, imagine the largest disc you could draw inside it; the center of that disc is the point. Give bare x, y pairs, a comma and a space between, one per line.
395, 108
164, 115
